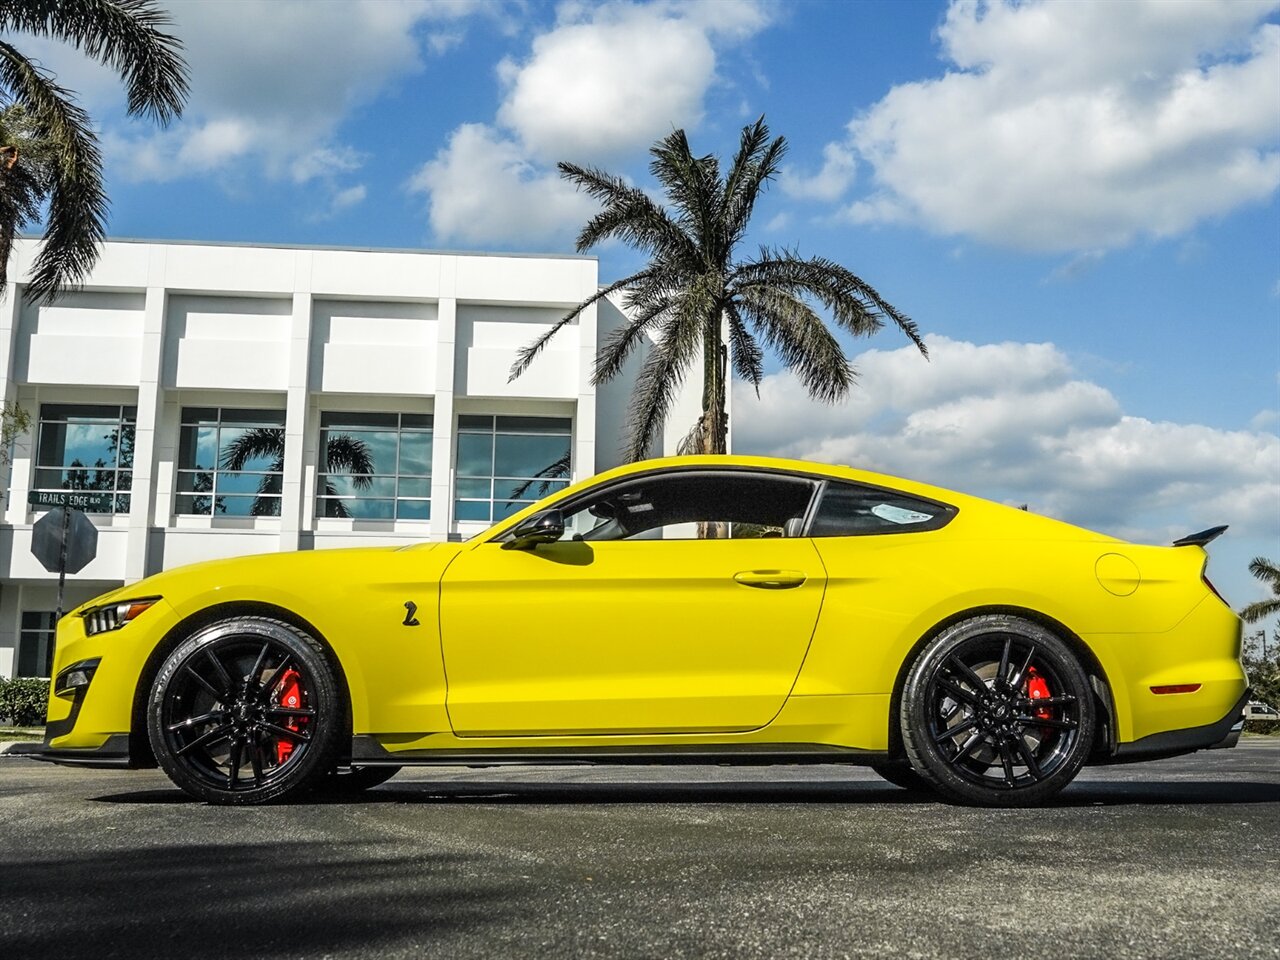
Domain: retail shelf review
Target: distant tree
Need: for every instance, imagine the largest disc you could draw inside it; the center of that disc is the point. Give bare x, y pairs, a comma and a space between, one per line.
695, 287
1266, 571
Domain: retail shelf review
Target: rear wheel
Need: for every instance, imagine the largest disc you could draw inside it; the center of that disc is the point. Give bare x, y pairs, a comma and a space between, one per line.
997, 711
246, 711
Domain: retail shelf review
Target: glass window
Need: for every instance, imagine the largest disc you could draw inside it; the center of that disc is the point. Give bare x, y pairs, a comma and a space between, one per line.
230, 462
850, 510
86, 447
376, 466
692, 505
35, 644
507, 463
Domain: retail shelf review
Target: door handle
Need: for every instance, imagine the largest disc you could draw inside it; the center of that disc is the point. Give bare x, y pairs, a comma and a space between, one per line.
770, 579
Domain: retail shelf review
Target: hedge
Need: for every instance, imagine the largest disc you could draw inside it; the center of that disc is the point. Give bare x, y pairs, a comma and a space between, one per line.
24, 701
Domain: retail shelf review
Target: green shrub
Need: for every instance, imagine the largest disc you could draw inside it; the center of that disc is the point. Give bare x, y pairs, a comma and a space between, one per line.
24, 700
1268, 727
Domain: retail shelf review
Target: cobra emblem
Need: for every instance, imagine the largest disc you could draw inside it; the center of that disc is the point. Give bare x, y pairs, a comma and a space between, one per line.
410, 608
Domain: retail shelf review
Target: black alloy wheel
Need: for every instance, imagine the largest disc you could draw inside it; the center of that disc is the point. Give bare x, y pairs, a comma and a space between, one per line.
246, 711
997, 711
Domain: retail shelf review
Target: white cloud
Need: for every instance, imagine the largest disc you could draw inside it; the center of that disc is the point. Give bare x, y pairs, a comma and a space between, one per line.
480, 189
1014, 422
271, 81
1081, 125
595, 89
604, 80
829, 183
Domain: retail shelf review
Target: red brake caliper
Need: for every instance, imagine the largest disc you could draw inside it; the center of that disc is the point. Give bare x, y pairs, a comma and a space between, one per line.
1037, 689
290, 696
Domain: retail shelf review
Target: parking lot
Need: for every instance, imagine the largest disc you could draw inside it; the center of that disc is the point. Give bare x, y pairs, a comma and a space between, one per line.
1179, 858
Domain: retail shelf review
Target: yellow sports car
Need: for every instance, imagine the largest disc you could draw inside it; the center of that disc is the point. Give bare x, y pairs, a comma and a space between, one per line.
697, 609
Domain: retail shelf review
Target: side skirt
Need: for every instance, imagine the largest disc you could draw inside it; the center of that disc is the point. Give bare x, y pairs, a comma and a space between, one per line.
367, 752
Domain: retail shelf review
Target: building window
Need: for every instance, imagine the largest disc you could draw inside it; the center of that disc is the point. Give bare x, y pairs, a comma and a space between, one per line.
35, 644
376, 466
86, 447
230, 462
506, 463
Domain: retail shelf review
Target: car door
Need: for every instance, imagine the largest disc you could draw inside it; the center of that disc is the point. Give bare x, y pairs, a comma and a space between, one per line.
637, 635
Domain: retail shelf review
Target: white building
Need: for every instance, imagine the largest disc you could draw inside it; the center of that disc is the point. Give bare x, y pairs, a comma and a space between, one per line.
361, 395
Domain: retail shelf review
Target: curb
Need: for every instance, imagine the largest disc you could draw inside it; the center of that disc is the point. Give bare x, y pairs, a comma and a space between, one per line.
20, 748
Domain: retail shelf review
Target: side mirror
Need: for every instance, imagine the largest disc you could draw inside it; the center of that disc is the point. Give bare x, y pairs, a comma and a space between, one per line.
544, 527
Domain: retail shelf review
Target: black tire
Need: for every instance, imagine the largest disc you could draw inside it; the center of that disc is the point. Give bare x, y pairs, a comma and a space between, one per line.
997, 711
217, 722
900, 774
352, 780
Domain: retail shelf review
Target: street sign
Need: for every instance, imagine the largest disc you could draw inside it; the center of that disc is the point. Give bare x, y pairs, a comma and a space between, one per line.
79, 499
63, 540
61, 527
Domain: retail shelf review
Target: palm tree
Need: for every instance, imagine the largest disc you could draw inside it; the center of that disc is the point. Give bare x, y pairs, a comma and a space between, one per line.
49, 157
343, 454
694, 290
1266, 571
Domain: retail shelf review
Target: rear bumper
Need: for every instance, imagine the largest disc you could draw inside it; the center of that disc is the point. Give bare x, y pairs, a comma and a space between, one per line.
1171, 743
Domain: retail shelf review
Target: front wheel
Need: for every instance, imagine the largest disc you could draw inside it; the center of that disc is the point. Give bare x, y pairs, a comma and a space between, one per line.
246, 711
997, 711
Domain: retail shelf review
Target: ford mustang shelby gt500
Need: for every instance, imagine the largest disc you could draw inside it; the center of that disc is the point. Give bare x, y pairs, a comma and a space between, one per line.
698, 609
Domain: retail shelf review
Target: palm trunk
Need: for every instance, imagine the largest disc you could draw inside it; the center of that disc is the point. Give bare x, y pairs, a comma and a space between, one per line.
715, 418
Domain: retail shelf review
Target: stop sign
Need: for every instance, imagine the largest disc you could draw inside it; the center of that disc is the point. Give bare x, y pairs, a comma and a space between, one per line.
81, 538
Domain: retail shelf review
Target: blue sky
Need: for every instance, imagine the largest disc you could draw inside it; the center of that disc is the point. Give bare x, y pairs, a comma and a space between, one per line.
1076, 201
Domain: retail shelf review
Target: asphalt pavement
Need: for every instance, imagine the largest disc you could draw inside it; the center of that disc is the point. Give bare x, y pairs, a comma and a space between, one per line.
1178, 858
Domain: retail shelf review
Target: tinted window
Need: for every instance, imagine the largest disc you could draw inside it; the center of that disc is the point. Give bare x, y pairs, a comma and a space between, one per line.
849, 510
691, 505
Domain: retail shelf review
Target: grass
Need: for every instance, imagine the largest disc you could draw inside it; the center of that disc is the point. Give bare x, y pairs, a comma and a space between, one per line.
21, 733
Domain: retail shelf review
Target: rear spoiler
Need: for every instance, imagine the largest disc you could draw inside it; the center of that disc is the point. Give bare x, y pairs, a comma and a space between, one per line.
1201, 539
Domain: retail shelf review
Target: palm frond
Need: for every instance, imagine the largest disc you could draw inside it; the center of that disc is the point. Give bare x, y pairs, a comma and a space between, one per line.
617, 347
801, 339
258, 443
1266, 571
854, 304
660, 377
527, 354
557, 470
76, 218
124, 35
756, 164
748, 358
1260, 610
349, 455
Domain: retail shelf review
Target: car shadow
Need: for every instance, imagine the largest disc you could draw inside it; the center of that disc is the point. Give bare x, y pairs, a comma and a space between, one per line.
410, 791
214, 900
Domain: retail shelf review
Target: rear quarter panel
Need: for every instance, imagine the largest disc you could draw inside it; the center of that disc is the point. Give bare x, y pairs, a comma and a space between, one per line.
886, 593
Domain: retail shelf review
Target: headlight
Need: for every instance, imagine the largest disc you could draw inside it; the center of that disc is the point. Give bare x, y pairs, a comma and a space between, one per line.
113, 616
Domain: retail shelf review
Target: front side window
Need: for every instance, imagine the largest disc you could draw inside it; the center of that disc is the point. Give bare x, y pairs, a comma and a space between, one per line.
507, 463
230, 462
86, 447
375, 466
851, 510
692, 505
35, 644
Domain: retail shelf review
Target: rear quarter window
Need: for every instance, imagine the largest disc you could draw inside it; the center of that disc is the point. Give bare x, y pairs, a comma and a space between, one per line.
852, 510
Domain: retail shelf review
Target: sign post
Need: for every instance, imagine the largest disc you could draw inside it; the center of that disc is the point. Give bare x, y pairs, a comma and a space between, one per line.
64, 539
